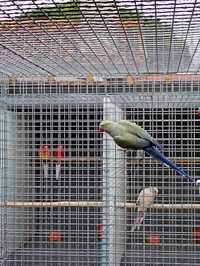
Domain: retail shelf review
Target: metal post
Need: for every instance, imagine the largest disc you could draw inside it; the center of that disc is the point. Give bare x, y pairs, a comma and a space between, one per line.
114, 178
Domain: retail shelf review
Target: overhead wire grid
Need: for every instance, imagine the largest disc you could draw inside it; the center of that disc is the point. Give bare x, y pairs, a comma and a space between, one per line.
65, 67
106, 38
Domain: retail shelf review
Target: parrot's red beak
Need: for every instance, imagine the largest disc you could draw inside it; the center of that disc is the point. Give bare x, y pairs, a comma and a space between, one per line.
101, 130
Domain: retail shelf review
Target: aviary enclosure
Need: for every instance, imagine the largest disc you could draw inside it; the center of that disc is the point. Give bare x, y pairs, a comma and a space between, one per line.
68, 192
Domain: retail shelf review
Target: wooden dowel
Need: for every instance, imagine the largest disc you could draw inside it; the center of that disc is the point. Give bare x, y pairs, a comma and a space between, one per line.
130, 161
128, 205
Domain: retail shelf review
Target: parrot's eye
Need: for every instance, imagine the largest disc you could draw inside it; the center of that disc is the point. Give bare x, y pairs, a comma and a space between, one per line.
156, 191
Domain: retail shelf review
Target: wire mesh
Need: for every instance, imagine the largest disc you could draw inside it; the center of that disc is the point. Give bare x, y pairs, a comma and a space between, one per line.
106, 38
68, 193
84, 216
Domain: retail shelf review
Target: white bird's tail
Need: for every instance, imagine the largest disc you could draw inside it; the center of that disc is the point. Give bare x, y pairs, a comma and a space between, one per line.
138, 221
58, 166
45, 167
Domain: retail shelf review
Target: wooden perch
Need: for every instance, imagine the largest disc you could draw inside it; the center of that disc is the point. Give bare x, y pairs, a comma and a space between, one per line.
129, 161
129, 205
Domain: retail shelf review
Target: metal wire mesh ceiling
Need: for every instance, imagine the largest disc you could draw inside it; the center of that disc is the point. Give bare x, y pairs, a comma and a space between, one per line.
103, 37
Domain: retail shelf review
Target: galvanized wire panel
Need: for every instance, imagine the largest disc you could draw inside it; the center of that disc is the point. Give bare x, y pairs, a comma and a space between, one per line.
59, 221
106, 38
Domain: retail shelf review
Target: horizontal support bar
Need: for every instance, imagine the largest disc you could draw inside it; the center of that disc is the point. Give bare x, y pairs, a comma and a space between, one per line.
128, 205
159, 77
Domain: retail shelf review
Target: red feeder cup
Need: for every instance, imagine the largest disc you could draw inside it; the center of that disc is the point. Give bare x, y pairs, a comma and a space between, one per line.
54, 236
99, 231
196, 234
153, 239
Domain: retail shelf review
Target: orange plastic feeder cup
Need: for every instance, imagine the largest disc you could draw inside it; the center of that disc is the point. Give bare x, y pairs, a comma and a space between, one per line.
54, 236
153, 239
196, 234
99, 231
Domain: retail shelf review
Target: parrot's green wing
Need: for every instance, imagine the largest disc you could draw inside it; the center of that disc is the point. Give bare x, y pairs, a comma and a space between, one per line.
133, 128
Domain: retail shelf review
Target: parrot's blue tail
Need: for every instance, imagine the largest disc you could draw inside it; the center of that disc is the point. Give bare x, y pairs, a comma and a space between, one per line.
155, 153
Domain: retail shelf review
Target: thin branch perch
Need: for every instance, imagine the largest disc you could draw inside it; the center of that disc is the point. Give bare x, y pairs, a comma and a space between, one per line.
129, 205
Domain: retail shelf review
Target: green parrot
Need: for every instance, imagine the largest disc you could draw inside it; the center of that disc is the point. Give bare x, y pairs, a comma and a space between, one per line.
131, 136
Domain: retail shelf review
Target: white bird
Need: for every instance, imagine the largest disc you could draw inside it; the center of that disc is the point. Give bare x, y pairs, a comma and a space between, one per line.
144, 201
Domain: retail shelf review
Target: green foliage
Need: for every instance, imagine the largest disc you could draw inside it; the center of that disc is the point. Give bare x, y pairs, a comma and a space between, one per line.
67, 11
131, 15
128, 14
151, 21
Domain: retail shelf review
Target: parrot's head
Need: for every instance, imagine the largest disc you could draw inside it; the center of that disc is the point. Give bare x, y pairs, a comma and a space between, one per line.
108, 126
155, 189
104, 124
